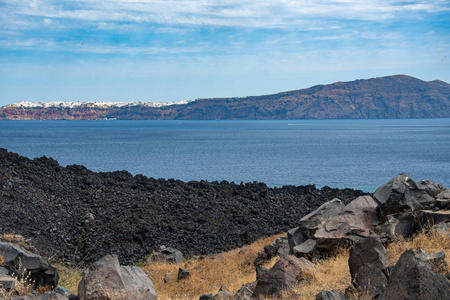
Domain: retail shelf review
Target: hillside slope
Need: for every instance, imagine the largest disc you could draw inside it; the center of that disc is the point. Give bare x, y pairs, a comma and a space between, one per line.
398, 96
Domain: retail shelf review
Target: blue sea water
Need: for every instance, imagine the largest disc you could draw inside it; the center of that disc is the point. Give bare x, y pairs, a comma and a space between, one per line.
360, 154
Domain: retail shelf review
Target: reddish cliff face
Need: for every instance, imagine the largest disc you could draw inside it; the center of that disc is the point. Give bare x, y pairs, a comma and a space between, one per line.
397, 96
20, 113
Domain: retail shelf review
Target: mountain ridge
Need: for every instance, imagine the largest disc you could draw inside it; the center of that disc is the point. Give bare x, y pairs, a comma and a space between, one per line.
396, 96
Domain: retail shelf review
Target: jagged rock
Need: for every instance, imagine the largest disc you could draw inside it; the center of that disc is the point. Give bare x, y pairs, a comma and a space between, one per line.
436, 260
441, 228
207, 297
182, 274
310, 223
402, 194
66, 293
305, 249
277, 247
331, 295
7, 282
284, 274
413, 279
243, 293
367, 262
397, 225
166, 278
223, 294
428, 218
443, 199
106, 279
53, 296
352, 225
261, 258
407, 223
295, 238
251, 285
4, 271
20, 263
168, 255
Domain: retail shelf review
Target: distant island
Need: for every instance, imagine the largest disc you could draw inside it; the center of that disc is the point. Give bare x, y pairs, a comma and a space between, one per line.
389, 97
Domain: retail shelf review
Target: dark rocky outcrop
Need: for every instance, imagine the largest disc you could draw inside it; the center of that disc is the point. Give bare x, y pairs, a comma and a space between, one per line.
243, 293
106, 279
332, 225
414, 279
367, 262
284, 274
402, 194
25, 265
79, 216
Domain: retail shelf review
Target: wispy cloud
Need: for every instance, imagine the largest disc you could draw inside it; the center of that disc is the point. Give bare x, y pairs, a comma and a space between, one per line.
273, 40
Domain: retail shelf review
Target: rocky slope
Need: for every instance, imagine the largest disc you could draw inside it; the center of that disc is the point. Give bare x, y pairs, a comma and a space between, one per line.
73, 214
397, 96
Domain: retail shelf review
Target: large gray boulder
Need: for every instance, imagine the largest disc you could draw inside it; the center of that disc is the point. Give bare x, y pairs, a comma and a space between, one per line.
22, 263
310, 223
414, 279
332, 225
352, 225
107, 280
367, 262
283, 275
402, 194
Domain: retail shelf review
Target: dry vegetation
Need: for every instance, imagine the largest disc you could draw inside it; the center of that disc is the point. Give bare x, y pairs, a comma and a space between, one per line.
235, 268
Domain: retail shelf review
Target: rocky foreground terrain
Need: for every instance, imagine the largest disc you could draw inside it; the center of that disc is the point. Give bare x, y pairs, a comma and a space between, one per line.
398, 96
398, 210
75, 215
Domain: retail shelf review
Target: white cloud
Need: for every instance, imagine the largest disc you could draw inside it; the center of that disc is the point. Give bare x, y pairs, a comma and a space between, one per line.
245, 13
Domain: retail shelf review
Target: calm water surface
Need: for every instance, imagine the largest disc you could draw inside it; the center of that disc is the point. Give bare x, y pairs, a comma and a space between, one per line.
361, 154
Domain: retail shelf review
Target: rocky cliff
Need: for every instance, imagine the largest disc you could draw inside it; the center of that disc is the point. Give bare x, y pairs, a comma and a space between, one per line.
398, 96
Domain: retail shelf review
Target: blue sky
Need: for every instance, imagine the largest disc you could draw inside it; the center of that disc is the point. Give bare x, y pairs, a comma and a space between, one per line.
168, 50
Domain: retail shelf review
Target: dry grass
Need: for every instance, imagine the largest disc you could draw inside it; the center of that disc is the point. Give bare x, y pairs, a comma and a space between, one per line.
430, 242
233, 269
69, 277
8, 237
2, 259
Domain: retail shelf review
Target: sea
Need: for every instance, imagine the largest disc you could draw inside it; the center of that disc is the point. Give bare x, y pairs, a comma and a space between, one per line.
358, 154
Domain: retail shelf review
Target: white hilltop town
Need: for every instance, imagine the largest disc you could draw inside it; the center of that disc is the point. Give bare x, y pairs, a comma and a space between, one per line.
93, 104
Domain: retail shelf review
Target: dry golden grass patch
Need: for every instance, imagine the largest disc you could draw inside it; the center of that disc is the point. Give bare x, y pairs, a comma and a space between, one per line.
69, 277
430, 242
233, 269
2, 259
8, 237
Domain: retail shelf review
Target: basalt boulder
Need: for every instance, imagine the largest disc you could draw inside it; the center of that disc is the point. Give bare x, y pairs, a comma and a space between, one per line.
414, 279
367, 262
283, 275
106, 279
29, 266
402, 194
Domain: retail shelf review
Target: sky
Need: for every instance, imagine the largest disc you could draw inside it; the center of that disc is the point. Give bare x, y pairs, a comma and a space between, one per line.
172, 50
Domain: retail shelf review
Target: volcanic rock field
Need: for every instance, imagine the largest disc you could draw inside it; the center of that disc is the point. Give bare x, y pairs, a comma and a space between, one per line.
74, 215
